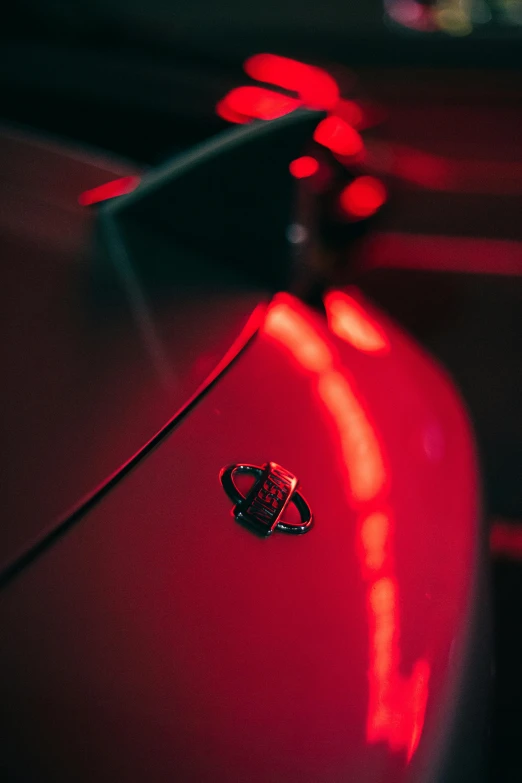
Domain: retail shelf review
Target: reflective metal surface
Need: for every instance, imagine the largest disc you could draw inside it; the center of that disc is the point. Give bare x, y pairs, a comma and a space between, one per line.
263, 507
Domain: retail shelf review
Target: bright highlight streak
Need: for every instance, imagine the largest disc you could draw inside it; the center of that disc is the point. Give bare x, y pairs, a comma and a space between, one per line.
117, 187
359, 445
396, 701
375, 530
292, 330
349, 320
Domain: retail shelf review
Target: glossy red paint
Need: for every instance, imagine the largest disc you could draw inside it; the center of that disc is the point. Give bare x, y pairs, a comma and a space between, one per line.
397, 703
314, 86
362, 197
112, 189
302, 167
349, 320
158, 623
337, 135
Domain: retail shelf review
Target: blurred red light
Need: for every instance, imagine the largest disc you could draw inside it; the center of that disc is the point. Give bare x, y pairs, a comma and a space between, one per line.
446, 174
339, 137
422, 168
258, 103
316, 88
446, 253
117, 187
506, 539
224, 111
302, 167
363, 197
350, 112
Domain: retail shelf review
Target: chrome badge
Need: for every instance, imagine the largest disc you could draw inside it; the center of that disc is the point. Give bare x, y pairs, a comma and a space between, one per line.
263, 507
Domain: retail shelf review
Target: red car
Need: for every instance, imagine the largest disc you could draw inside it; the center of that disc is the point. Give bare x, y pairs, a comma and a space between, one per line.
242, 531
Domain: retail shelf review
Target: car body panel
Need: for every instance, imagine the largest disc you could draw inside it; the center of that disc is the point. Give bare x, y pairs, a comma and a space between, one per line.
93, 365
161, 640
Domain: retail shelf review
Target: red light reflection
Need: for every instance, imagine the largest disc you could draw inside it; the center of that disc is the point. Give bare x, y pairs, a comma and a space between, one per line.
396, 703
348, 319
374, 533
306, 166
117, 187
451, 254
363, 197
338, 136
359, 445
314, 86
294, 330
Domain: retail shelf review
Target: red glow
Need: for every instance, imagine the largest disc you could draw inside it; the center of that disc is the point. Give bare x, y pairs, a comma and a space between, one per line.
396, 702
224, 111
363, 197
336, 135
506, 539
422, 168
257, 103
117, 187
374, 537
314, 86
436, 172
350, 112
292, 327
306, 166
350, 321
451, 254
360, 447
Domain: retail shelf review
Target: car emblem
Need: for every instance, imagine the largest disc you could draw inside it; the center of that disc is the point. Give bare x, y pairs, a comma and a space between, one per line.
262, 508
